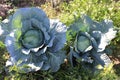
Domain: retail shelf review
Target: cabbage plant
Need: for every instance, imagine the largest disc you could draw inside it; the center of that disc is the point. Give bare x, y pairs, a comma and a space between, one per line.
33, 41
88, 40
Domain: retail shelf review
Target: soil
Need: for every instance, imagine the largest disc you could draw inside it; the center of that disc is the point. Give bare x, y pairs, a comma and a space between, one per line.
4, 9
6, 5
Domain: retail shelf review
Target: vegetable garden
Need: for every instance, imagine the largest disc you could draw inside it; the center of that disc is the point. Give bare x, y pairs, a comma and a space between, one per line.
59, 40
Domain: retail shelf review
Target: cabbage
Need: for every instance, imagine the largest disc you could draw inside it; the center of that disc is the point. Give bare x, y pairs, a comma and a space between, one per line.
91, 39
33, 41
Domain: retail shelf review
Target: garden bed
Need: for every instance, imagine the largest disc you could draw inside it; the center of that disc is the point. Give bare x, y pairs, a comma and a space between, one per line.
64, 8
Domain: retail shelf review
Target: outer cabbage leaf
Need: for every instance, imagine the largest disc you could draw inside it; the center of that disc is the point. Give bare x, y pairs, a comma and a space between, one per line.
102, 59
58, 31
55, 59
72, 54
4, 29
106, 36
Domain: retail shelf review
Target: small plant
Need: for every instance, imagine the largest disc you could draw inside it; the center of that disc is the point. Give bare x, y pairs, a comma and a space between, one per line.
88, 41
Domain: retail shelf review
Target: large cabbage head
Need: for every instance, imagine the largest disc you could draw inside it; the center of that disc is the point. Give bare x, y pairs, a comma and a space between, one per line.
34, 41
